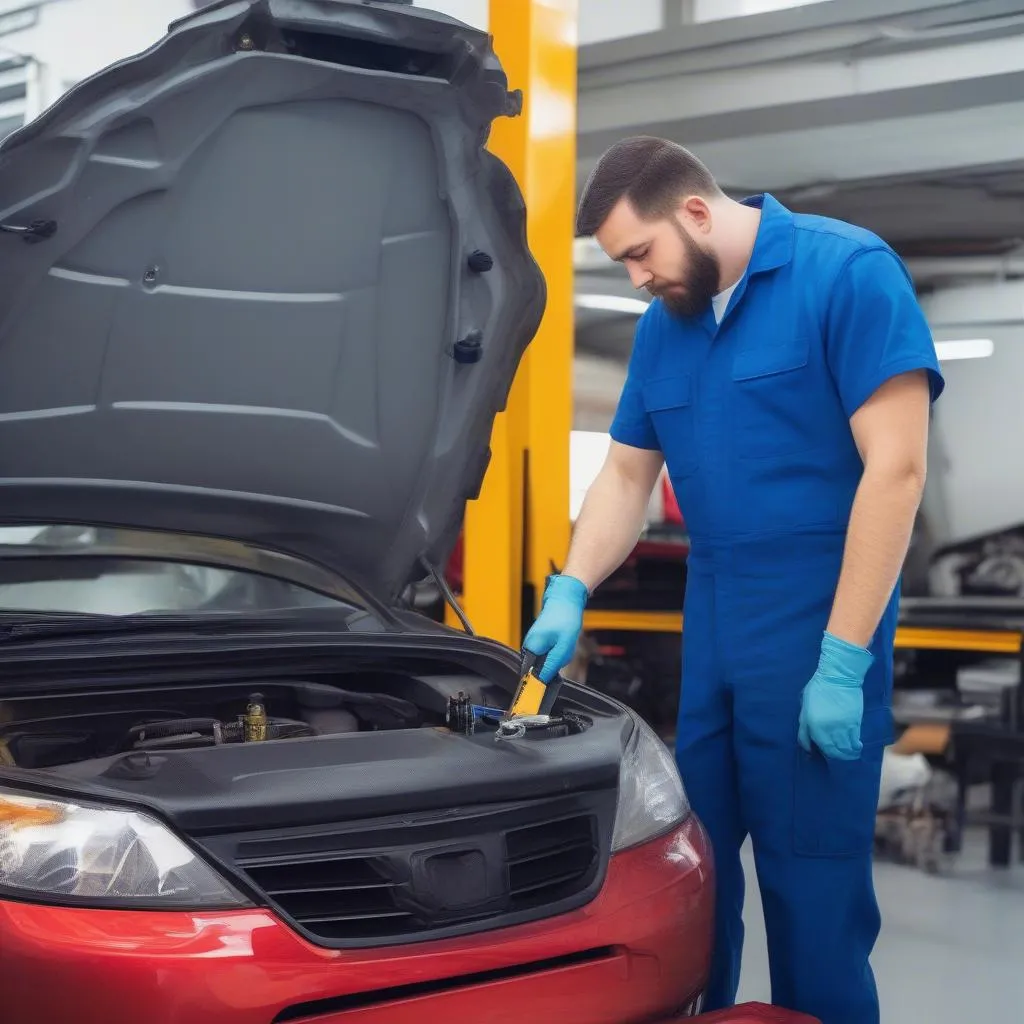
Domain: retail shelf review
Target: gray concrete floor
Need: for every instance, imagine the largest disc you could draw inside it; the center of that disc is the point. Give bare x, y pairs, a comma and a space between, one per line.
951, 949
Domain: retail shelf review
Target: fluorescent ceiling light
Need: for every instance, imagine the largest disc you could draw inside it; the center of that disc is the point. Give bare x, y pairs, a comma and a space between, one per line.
612, 304
970, 348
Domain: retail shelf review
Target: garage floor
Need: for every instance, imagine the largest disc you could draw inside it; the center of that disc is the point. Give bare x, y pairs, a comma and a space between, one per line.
951, 949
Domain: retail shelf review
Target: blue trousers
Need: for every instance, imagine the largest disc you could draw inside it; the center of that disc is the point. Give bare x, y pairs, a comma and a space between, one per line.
752, 637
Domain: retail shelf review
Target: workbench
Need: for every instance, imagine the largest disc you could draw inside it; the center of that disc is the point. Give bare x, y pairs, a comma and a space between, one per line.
991, 749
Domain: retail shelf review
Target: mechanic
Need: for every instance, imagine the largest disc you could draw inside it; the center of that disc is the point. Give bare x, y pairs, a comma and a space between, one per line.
784, 374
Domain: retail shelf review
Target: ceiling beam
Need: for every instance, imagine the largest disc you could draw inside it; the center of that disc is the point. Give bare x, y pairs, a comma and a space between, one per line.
854, 96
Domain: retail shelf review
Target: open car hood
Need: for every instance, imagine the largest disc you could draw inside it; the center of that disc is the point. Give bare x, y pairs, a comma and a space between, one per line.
273, 287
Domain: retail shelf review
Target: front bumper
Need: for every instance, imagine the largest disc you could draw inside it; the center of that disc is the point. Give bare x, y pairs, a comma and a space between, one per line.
640, 951
752, 1013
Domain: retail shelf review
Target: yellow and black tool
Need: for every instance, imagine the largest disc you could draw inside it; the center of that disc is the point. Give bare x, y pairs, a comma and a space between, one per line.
533, 696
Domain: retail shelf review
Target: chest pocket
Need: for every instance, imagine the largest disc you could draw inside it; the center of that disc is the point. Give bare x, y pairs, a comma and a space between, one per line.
669, 403
775, 393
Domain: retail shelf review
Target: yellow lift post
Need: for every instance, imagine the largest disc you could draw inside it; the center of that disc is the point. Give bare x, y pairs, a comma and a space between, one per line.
519, 525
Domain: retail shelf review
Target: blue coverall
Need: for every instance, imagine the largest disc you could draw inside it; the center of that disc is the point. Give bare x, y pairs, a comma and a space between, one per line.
753, 418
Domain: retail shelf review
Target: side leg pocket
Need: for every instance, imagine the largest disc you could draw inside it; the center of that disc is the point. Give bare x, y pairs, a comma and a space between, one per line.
836, 802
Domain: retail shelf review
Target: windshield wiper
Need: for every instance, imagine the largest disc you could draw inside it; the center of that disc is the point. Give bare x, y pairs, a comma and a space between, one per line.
20, 627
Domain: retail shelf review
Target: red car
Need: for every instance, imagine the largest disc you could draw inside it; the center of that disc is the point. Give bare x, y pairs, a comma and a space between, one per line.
263, 291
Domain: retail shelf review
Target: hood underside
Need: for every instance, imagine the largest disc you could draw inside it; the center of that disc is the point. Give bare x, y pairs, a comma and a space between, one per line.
273, 288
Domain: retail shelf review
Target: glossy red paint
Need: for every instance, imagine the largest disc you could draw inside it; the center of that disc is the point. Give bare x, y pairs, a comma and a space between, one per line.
653, 919
753, 1013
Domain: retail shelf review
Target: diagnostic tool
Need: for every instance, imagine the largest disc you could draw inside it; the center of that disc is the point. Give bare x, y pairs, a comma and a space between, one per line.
533, 696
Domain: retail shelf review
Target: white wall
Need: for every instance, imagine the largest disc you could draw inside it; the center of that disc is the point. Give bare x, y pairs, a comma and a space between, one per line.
599, 20
472, 12
80, 37
978, 460
73, 39
715, 10
597, 384
977, 468
603, 20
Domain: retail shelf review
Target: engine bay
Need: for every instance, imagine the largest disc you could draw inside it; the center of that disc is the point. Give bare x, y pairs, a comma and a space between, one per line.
74, 727
63, 729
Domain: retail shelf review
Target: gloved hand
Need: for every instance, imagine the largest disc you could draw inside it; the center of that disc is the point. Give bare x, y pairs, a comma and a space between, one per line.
556, 629
833, 701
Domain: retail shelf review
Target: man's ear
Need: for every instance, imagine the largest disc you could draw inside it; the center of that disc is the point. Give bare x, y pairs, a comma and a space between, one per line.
695, 211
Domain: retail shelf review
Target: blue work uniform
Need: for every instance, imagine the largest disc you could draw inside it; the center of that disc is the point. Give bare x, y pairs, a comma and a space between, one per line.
753, 417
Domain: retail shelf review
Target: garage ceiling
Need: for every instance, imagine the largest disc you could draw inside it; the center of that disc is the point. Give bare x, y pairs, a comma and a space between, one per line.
904, 116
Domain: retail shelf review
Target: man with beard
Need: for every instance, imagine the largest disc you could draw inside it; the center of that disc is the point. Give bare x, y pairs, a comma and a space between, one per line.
784, 373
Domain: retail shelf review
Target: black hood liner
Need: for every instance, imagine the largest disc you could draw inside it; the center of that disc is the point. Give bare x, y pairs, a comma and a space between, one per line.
277, 289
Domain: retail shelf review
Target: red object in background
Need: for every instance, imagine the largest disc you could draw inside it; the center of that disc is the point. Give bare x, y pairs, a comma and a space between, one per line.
670, 549
641, 949
670, 516
453, 574
670, 512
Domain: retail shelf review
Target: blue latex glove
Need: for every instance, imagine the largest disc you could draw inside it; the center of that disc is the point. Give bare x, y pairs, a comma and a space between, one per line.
558, 626
833, 701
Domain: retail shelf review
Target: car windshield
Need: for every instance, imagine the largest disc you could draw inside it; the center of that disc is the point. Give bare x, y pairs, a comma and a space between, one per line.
98, 571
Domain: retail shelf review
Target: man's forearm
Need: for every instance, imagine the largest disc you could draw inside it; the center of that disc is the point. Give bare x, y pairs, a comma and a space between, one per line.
607, 528
877, 540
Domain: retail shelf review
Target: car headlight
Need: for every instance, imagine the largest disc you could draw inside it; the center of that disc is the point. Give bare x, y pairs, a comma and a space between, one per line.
651, 796
101, 856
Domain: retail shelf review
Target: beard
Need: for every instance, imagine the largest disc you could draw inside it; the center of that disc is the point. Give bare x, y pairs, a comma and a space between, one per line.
692, 293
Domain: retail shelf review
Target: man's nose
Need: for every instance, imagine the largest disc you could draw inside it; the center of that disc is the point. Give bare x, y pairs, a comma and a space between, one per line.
638, 276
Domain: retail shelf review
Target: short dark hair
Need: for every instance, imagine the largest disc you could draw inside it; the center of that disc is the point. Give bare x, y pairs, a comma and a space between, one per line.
652, 174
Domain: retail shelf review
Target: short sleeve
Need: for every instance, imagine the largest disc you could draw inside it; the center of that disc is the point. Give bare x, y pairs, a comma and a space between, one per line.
631, 424
876, 329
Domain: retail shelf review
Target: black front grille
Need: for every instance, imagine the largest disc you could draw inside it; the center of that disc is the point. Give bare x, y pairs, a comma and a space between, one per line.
335, 898
547, 862
427, 877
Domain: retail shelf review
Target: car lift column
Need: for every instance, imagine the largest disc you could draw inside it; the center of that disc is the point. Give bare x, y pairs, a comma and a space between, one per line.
518, 528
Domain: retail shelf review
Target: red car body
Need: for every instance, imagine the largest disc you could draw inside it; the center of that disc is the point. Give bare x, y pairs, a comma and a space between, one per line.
638, 952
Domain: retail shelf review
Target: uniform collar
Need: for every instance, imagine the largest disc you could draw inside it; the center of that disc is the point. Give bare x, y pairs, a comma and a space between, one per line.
773, 247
